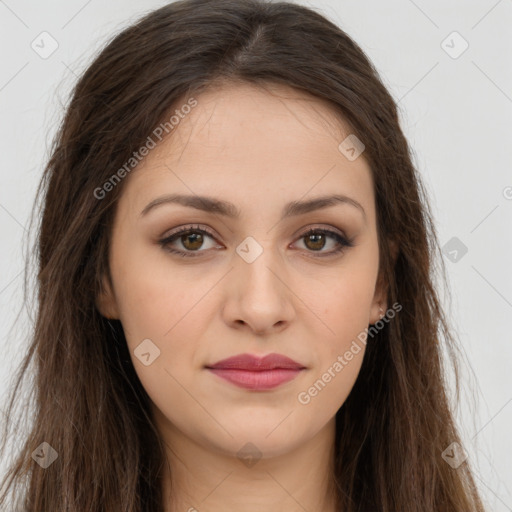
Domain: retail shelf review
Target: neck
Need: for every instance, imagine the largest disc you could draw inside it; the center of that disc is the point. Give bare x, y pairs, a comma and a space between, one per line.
202, 479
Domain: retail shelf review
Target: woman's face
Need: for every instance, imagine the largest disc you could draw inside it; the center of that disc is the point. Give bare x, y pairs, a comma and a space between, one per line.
246, 279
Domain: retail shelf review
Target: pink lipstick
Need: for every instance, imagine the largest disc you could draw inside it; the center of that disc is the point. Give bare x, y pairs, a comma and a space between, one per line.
252, 372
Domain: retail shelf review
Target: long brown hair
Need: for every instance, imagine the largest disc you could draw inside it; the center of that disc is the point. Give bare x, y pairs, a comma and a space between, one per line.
89, 405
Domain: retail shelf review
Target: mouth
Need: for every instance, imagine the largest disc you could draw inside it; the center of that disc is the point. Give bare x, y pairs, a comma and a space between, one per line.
255, 373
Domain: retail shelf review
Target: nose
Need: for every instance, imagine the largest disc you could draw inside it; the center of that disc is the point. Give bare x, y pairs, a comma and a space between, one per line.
259, 298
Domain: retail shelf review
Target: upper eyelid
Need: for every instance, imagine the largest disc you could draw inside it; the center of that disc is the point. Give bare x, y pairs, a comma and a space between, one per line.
315, 227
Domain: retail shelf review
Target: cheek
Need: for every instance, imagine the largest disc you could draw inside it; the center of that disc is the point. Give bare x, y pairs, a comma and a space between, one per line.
343, 307
170, 313
346, 307
173, 310
155, 300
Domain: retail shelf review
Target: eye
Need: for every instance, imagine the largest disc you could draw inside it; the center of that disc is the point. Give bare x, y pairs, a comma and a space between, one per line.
315, 240
192, 239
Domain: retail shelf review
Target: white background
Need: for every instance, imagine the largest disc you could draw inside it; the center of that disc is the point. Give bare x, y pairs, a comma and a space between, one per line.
456, 114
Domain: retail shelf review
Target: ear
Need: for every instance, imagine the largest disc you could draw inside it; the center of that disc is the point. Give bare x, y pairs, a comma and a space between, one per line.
379, 303
105, 300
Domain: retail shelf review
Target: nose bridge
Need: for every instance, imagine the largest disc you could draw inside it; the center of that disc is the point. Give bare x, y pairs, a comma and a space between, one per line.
261, 299
258, 264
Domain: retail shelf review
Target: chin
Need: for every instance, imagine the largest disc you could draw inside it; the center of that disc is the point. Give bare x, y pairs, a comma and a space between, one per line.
254, 441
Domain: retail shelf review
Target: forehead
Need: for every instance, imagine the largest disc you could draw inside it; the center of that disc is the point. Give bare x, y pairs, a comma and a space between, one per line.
247, 143
244, 118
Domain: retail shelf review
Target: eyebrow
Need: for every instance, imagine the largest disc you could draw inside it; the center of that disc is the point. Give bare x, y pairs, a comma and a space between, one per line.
227, 209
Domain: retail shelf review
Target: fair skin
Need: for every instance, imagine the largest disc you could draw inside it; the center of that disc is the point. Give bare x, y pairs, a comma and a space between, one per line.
259, 151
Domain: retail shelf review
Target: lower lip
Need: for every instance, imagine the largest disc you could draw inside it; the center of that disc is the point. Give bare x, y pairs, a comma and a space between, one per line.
266, 379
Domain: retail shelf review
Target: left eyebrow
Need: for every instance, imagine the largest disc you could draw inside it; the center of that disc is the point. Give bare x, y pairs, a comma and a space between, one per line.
227, 209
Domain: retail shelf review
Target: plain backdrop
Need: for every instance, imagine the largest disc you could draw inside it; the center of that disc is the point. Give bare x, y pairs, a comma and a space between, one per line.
456, 110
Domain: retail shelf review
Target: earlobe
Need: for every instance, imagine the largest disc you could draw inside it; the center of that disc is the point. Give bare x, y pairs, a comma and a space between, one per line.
378, 311
106, 302
379, 306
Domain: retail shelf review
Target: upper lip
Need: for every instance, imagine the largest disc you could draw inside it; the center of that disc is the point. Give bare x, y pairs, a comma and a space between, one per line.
256, 363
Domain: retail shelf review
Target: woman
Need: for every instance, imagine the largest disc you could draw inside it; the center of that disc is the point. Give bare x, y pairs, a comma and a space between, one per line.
235, 286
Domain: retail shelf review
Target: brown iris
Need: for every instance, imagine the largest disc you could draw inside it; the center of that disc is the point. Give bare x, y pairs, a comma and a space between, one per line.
195, 239
316, 240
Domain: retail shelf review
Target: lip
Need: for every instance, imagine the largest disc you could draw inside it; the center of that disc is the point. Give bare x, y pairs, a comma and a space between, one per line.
253, 372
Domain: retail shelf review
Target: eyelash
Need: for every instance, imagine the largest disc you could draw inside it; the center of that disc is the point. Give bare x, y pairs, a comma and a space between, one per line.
342, 241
